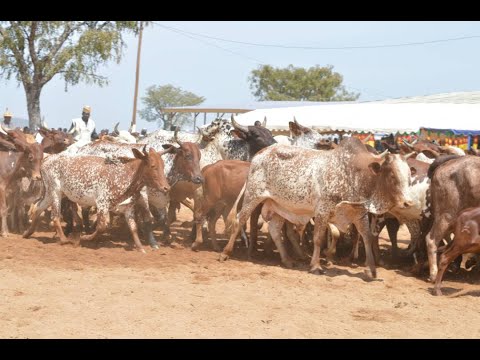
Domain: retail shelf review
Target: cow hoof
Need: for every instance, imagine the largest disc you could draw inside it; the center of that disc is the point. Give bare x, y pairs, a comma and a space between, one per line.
143, 251
4, 234
195, 246
223, 257
289, 264
317, 272
370, 275
155, 247
437, 292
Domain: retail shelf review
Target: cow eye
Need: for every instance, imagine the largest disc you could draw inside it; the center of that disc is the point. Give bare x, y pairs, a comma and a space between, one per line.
189, 157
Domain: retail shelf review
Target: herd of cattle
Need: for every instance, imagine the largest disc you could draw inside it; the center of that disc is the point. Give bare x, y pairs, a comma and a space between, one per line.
241, 172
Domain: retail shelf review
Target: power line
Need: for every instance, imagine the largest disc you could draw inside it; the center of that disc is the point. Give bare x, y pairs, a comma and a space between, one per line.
211, 44
325, 48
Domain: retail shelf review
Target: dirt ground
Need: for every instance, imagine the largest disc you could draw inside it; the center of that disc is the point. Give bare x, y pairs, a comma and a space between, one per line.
106, 289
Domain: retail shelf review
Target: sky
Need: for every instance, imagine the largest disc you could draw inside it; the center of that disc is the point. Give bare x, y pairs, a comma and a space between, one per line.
184, 54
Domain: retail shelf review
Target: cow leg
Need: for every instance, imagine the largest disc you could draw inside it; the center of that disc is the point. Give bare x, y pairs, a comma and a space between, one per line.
295, 237
319, 239
86, 219
415, 235
42, 206
101, 225
332, 248
252, 244
392, 227
432, 239
212, 222
3, 212
275, 229
363, 228
238, 222
148, 228
132, 225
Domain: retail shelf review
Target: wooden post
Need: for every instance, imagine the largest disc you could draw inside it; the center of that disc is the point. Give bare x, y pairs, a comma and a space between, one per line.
137, 75
204, 118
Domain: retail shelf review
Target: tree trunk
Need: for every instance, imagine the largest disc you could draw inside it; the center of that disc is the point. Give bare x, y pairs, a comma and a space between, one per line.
33, 105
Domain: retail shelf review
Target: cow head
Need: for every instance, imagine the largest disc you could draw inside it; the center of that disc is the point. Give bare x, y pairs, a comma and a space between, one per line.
186, 163
393, 178
154, 168
257, 137
305, 137
32, 153
54, 141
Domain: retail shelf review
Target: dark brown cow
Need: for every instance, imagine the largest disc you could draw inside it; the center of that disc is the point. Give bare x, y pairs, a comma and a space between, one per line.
223, 182
465, 240
24, 161
455, 186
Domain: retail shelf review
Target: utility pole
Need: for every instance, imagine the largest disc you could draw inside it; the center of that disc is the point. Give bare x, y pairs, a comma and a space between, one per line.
137, 75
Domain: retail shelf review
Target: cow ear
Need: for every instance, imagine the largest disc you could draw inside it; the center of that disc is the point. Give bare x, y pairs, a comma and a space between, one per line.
238, 134
413, 171
20, 145
375, 167
294, 128
138, 154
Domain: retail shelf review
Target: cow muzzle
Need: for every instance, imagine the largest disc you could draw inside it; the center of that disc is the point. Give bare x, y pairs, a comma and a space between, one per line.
36, 177
198, 180
165, 189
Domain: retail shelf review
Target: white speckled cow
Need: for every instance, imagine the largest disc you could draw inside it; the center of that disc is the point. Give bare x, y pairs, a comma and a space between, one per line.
339, 186
95, 181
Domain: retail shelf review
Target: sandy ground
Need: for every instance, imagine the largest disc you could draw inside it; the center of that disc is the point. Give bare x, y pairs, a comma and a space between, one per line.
106, 289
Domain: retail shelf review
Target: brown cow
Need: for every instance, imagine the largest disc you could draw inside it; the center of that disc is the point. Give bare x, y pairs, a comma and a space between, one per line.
24, 161
223, 182
95, 181
466, 240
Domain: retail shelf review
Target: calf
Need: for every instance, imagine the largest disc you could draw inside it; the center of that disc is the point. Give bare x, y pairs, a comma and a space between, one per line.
465, 240
93, 181
223, 182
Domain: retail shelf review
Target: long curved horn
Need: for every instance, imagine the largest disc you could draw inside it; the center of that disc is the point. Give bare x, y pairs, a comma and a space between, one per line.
115, 129
367, 139
414, 141
2, 130
410, 155
175, 136
238, 126
264, 123
71, 130
295, 121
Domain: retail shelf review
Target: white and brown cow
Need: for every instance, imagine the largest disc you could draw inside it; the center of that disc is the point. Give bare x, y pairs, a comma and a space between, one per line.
339, 186
94, 181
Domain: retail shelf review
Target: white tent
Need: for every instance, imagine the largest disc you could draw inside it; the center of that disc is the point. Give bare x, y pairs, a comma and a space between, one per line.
371, 117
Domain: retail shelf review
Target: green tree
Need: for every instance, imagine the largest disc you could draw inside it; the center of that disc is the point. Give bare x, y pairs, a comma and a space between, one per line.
33, 52
160, 97
299, 84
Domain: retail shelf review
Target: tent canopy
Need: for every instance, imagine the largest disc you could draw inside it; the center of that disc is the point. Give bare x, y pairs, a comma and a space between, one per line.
371, 117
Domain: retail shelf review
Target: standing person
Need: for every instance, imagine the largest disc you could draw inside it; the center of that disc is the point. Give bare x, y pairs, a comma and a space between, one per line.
82, 130
7, 119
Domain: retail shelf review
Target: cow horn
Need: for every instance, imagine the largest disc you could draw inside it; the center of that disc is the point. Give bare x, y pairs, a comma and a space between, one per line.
200, 135
264, 123
407, 143
383, 154
237, 126
71, 130
43, 125
175, 136
414, 141
2, 130
145, 150
367, 139
410, 155
115, 129
295, 121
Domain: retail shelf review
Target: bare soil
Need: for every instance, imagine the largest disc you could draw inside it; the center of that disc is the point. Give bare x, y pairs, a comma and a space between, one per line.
107, 289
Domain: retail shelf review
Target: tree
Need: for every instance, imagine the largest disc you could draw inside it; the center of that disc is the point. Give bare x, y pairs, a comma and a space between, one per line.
33, 52
299, 84
160, 97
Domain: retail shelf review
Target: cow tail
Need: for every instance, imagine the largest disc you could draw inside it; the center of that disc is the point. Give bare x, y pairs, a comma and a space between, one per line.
233, 212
